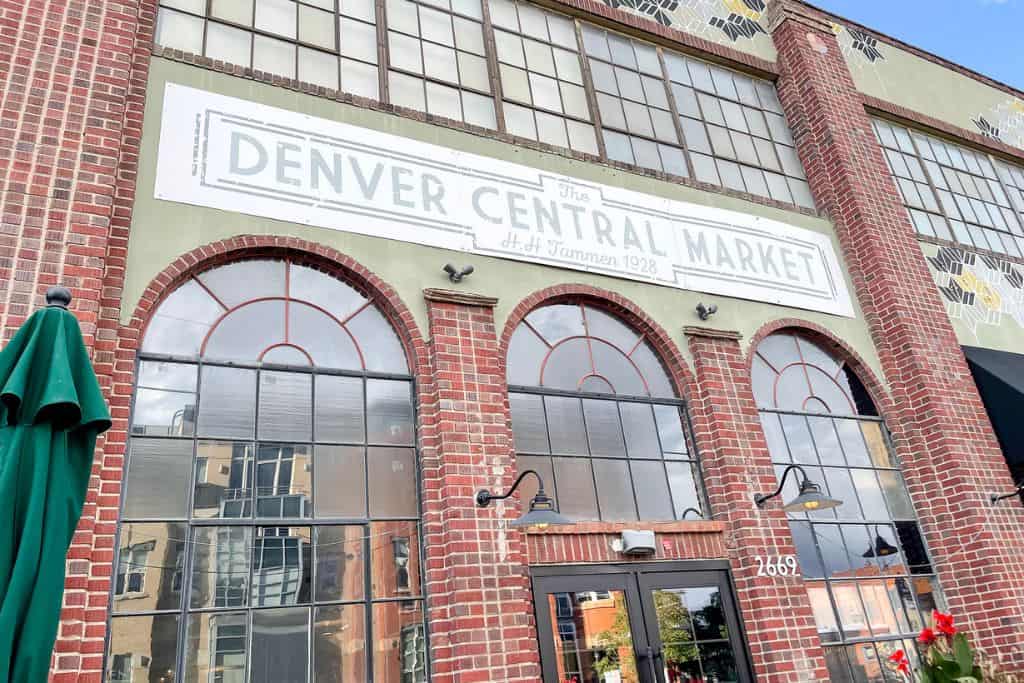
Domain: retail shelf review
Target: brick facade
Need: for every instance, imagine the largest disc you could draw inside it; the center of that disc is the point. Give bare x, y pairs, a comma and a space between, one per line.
941, 431
737, 465
72, 91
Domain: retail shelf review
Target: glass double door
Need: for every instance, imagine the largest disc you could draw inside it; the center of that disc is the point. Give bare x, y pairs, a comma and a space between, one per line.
650, 623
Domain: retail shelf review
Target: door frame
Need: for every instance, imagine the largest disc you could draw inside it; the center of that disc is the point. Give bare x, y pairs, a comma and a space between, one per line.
632, 585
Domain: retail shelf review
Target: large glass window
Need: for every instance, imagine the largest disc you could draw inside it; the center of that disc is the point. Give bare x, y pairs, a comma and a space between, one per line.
658, 109
735, 131
871, 582
270, 507
541, 76
437, 59
594, 412
955, 193
324, 42
636, 117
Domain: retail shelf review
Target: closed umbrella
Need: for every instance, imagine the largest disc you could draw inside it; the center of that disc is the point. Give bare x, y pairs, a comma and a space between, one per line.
51, 411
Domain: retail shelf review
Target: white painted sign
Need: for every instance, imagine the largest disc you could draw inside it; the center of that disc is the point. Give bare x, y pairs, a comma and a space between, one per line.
240, 156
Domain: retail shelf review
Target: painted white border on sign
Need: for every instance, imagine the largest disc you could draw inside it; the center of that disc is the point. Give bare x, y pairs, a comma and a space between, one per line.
226, 153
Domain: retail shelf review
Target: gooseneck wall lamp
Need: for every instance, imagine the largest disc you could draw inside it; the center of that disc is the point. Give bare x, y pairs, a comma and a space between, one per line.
542, 507
809, 498
1019, 491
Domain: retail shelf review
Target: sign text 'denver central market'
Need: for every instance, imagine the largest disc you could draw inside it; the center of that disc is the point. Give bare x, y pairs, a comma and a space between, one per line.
236, 155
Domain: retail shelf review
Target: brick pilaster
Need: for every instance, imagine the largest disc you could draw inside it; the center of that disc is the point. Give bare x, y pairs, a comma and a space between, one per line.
478, 586
736, 464
67, 71
943, 437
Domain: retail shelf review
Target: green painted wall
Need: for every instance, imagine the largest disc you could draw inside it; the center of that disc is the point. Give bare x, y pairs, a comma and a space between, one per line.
712, 20
163, 230
993, 316
923, 86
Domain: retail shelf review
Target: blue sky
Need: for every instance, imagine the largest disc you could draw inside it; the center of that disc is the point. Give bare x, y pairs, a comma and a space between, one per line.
983, 35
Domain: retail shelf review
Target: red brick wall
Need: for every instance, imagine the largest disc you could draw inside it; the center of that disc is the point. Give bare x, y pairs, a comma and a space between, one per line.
72, 91
72, 78
736, 463
478, 589
942, 434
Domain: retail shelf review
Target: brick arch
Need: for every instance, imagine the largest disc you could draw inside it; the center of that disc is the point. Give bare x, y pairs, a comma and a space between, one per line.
834, 345
323, 258
615, 304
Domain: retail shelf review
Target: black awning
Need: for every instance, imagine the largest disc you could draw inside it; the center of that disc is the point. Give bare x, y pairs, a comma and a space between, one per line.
1000, 379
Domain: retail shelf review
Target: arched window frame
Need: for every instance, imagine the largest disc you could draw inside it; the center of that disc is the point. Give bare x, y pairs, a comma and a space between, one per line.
366, 538
846, 426
679, 463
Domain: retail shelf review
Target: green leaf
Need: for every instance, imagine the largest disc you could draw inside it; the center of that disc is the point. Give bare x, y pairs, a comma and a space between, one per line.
964, 655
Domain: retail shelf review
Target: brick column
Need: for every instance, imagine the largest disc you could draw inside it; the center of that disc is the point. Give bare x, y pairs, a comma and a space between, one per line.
776, 612
949, 453
69, 100
480, 610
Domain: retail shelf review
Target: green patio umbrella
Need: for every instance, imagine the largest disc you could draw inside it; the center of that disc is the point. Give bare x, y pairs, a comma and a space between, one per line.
51, 411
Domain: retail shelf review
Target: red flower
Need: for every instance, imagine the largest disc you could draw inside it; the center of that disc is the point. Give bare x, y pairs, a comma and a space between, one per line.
944, 623
899, 658
927, 636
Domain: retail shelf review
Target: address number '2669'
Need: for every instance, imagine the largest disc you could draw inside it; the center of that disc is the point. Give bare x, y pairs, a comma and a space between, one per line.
777, 565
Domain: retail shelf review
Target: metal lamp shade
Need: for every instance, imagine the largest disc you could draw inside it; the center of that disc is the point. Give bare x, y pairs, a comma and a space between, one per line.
811, 498
541, 514
882, 548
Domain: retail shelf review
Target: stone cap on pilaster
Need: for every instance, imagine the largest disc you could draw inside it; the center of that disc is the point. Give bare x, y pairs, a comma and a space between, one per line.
780, 11
711, 333
451, 296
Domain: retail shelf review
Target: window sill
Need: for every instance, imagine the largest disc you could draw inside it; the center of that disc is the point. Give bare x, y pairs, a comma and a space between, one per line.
699, 526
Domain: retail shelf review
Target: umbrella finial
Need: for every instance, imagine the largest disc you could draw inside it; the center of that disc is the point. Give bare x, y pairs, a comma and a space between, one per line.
58, 297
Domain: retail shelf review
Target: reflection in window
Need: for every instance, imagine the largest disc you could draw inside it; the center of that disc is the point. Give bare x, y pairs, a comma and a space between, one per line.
593, 637
868, 574
264, 498
594, 413
954, 193
695, 637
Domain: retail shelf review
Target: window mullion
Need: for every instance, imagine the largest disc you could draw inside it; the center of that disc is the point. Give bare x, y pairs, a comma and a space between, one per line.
590, 89
493, 72
673, 108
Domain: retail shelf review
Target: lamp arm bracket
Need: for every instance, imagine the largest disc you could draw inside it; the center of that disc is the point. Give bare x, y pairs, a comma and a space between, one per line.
760, 498
484, 497
1018, 491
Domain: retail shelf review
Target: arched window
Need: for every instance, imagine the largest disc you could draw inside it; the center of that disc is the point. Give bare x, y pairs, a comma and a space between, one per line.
269, 516
594, 412
870, 580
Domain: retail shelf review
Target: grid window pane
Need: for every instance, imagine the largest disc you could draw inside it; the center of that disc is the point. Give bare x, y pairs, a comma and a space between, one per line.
308, 38
228, 44
539, 66
633, 102
446, 49
179, 31
219, 533
156, 485
609, 452
860, 560
736, 118
954, 193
